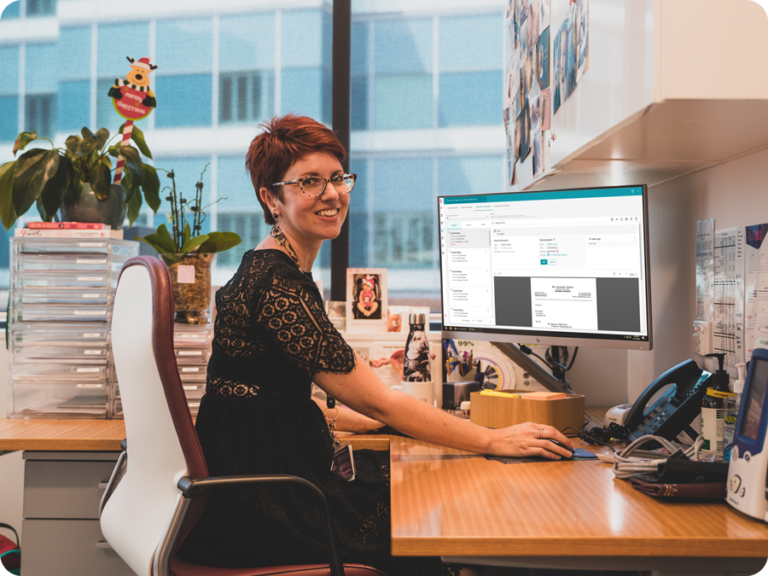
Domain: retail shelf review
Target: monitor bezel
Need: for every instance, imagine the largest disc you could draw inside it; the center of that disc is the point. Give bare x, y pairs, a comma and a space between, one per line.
547, 338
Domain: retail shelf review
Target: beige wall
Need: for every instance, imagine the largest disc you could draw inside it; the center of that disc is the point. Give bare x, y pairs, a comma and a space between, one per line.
734, 194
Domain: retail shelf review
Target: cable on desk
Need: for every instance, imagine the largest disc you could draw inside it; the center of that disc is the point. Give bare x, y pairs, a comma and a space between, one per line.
632, 461
557, 367
584, 435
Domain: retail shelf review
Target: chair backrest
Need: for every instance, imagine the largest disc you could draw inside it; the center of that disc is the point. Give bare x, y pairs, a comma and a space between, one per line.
162, 443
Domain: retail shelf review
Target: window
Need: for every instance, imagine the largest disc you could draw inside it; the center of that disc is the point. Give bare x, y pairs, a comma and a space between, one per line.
218, 76
246, 97
73, 106
13, 10
9, 87
246, 65
437, 73
9, 118
186, 100
40, 114
41, 8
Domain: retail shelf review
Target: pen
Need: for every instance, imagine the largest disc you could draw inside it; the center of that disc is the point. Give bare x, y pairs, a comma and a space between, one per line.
455, 350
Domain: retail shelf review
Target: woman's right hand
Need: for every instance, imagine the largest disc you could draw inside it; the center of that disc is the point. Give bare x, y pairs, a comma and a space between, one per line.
529, 439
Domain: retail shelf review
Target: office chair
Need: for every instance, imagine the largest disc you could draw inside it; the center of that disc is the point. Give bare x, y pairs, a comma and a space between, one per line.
154, 498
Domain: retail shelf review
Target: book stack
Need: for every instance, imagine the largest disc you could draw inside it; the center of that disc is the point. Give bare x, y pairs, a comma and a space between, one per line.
61, 291
67, 230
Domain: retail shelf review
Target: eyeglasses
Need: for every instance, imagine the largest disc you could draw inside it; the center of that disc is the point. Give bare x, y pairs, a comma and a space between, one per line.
315, 185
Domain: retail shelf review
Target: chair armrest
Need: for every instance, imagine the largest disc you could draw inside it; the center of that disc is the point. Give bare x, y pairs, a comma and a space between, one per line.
195, 487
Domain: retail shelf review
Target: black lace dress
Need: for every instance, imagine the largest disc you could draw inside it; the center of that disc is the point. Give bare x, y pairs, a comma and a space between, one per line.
271, 337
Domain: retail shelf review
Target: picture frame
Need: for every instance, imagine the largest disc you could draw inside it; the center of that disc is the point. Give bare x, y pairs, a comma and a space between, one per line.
367, 302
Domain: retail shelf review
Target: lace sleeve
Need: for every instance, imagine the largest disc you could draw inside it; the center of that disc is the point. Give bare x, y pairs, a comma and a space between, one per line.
290, 315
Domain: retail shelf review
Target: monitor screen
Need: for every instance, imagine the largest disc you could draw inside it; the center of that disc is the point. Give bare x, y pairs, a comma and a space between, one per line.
755, 398
559, 267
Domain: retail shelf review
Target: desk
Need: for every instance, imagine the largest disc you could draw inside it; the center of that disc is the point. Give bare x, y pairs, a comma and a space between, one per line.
100, 435
460, 506
67, 464
465, 508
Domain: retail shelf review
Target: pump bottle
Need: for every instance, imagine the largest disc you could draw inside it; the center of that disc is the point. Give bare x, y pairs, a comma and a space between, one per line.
712, 415
731, 413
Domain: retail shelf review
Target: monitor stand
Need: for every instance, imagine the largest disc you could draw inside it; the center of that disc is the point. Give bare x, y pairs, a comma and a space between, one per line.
533, 368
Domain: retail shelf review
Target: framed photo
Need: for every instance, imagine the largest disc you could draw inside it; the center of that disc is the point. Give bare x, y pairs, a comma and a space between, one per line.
367, 300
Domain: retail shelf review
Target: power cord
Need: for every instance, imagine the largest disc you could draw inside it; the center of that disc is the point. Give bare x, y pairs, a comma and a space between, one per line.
632, 461
552, 359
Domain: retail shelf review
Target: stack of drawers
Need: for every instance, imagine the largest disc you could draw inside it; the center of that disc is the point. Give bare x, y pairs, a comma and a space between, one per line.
192, 346
59, 316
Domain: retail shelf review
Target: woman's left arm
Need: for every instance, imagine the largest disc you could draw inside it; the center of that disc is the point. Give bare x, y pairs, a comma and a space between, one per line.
350, 421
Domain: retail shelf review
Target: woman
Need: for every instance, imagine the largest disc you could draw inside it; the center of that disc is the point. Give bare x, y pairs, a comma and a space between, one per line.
272, 340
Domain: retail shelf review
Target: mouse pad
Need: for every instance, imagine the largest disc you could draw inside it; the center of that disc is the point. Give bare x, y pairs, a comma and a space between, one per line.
578, 454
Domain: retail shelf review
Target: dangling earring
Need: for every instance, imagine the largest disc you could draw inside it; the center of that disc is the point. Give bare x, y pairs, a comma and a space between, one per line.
276, 233
280, 238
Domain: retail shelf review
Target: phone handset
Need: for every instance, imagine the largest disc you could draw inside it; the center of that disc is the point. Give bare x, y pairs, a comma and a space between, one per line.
671, 413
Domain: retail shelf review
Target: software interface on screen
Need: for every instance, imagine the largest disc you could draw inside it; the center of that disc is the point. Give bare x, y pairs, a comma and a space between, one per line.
568, 262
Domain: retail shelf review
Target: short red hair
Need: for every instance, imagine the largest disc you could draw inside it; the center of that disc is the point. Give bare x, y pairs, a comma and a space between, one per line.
284, 141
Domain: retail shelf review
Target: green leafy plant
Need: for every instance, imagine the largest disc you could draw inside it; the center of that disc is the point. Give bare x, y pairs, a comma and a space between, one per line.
42, 177
184, 238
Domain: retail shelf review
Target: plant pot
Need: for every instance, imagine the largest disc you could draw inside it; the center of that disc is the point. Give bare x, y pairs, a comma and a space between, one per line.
191, 278
90, 209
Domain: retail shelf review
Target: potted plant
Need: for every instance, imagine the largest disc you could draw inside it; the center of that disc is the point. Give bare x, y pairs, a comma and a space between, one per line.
76, 181
188, 253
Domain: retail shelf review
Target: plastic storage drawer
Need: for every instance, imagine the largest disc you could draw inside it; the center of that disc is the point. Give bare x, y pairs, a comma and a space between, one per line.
59, 313
46, 295
35, 372
47, 279
117, 248
78, 263
50, 400
37, 334
192, 355
192, 336
193, 373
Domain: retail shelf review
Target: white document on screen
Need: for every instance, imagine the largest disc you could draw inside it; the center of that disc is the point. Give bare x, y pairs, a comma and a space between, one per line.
564, 303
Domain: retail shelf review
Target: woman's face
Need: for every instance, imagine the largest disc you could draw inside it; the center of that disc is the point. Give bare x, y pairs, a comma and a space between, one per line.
416, 344
311, 220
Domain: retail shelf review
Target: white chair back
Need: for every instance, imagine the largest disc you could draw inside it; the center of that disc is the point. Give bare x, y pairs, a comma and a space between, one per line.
136, 513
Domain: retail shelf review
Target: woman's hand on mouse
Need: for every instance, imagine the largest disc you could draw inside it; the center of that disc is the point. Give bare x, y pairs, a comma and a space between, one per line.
529, 439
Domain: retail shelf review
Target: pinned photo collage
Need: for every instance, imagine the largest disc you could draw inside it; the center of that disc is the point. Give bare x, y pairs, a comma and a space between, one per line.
543, 67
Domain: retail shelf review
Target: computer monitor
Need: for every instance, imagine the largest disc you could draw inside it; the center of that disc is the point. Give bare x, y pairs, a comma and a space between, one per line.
557, 267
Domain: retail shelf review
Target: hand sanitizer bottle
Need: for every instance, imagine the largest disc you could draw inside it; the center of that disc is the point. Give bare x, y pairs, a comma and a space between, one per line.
712, 414
731, 413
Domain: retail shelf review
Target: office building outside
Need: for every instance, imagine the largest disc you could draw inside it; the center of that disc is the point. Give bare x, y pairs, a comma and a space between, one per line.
425, 106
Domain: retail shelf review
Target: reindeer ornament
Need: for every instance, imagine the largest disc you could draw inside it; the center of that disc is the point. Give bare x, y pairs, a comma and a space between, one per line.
133, 100
132, 97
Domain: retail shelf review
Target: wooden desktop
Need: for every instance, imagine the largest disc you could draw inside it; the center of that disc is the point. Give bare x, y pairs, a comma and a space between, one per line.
466, 508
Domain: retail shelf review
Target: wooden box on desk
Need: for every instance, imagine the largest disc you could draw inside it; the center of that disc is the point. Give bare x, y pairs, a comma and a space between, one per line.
498, 412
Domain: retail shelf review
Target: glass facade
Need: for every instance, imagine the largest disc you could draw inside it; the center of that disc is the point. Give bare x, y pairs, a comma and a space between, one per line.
425, 108
426, 121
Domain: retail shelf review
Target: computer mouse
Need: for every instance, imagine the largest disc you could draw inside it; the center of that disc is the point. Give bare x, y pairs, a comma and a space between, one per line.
562, 446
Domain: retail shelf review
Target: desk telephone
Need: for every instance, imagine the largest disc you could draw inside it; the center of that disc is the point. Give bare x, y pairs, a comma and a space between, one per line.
675, 409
